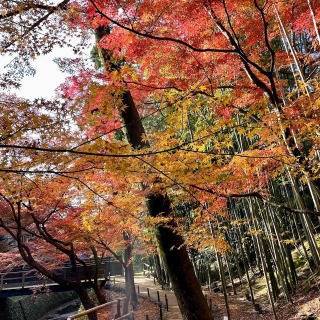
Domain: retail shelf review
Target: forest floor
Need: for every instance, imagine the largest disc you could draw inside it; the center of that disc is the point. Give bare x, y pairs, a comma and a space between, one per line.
145, 308
305, 306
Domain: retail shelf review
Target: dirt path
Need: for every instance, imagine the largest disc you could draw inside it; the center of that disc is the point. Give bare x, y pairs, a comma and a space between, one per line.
144, 283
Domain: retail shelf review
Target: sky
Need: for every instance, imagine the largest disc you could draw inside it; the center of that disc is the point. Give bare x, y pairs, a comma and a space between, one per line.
47, 78
48, 75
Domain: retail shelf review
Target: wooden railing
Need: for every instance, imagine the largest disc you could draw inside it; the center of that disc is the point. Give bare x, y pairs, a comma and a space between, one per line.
117, 316
26, 278
149, 293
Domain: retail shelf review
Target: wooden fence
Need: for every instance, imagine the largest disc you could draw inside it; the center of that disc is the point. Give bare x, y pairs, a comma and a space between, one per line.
26, 277
130, 316
117, 316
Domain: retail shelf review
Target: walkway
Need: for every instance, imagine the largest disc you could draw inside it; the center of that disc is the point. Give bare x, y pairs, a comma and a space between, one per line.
173, 313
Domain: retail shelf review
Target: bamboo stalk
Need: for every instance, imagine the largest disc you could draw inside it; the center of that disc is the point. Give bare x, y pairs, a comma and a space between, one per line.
314, 21
292, 50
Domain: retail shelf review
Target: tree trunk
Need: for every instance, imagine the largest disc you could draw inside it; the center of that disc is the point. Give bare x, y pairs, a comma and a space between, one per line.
270, 270
223, 283
187, 289
160, 274
100, 293
87, 303
230, 276
129, 273
98, 286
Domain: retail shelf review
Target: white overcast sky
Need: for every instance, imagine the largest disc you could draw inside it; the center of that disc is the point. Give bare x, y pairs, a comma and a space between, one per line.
48, 75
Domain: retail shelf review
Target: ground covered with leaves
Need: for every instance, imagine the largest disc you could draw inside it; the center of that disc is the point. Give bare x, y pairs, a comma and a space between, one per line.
305, 305
145, 308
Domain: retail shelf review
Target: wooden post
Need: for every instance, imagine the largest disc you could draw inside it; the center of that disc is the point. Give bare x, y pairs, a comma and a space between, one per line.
160, 312
138, 289
118, 314
148, 292
23, 279
166, 299
158, 295
209, 277
147, 317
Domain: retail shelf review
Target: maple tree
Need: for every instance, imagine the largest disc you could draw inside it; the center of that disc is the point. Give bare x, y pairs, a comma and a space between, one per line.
54, 222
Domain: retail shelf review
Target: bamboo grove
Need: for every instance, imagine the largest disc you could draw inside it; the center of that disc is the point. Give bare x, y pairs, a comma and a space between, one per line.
190, 135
